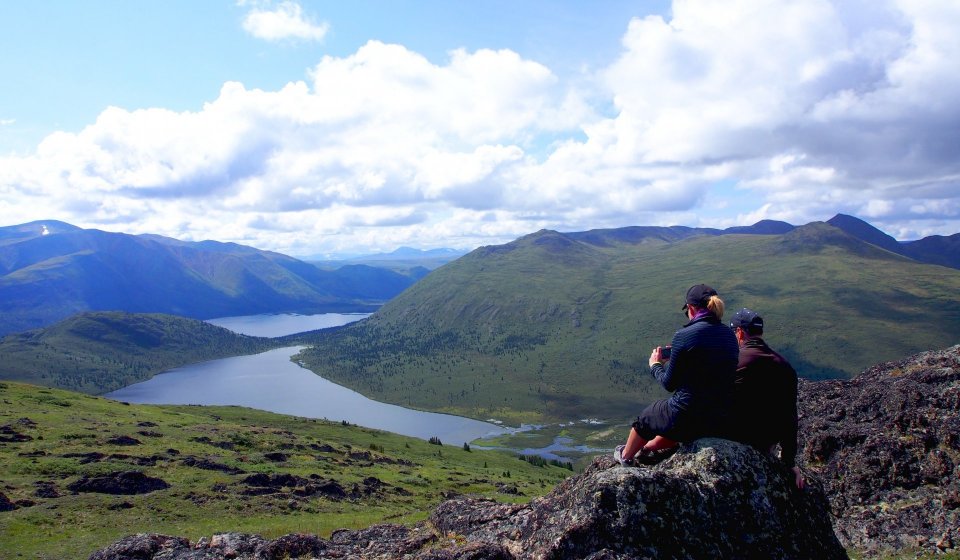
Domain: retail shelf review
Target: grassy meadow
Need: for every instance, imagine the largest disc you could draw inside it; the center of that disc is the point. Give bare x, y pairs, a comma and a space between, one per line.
51, 439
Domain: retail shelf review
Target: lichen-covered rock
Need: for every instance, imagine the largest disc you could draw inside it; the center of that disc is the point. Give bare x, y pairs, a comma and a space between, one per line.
887, 446
712, 499
141, 547
293, 546
233, 545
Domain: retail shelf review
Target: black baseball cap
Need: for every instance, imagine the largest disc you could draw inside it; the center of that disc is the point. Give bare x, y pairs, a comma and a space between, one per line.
747, 320
698, 295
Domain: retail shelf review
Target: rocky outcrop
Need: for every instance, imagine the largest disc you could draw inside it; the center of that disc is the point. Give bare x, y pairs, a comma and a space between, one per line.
9, 434
123, 440
141, 547
714, 498
126, 482
209, 465
6, 504
887, 447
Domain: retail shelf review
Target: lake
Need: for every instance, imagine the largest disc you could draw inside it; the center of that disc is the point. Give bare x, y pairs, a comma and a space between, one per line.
271, 381
282, 324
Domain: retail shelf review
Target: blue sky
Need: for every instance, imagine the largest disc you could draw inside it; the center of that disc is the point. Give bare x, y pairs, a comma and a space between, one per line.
344, 127
70, 59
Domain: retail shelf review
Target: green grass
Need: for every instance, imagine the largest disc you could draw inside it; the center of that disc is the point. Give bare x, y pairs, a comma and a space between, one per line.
202, 502
548, 329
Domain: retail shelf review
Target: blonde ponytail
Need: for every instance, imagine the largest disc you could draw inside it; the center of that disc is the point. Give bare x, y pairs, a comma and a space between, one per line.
715, 306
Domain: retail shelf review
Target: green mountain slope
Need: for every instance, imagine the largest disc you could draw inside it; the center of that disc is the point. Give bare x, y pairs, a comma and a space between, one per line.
936, 249
101, 352
549, 327
228, 469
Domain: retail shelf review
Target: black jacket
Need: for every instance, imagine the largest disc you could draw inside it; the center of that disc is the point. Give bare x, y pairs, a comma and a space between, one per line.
766, 400
700, 372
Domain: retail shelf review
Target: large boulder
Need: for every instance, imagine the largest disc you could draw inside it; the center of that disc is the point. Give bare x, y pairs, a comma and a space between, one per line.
140, 547
712, 499
887, 446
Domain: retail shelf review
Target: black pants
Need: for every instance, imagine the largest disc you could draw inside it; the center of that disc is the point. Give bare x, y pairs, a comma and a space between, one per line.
660, 419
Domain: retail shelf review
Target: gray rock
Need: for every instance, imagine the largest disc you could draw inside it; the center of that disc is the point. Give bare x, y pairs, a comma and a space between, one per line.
292, 546
887, 446
712, 499
141, 546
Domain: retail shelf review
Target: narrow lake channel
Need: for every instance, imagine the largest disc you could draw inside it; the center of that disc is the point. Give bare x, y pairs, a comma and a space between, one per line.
271, 381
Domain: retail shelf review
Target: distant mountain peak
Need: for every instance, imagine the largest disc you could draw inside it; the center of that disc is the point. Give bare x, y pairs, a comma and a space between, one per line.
763, 227
34, 229
865, 232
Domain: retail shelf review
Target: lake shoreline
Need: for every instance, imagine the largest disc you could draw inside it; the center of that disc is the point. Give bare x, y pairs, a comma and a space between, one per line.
227, 378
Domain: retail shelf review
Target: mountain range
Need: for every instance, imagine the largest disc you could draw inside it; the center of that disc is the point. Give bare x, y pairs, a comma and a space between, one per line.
549, 326
406, 260
50, 270
560, 325
934, 249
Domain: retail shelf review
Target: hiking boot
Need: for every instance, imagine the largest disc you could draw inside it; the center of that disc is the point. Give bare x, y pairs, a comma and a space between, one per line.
649, 458
618, 455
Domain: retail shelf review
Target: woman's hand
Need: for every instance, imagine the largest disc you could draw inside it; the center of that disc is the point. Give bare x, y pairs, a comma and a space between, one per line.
655, 356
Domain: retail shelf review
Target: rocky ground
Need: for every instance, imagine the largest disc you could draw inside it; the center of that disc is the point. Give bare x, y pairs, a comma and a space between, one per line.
887, 447
712, 499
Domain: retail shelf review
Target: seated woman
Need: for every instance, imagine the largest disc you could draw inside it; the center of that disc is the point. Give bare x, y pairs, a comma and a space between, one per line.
700, 372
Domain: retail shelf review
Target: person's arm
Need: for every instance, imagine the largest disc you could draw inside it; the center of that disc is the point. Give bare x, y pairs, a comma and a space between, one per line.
664, 373
798, 479
788, 438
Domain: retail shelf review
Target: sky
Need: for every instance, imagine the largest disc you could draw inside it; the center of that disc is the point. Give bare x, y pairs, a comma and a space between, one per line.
324, 128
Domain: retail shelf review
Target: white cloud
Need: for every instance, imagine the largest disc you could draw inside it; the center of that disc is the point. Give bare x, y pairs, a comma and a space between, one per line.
798, 110
383, 128
818, 107
285, 21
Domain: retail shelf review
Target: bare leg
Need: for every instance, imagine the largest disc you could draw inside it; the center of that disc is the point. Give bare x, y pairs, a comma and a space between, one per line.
658, 443
634, 444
